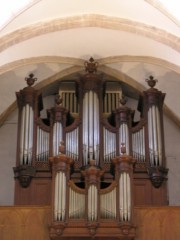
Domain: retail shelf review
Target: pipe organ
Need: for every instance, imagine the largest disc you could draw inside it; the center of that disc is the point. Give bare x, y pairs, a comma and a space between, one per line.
89, 159
90, 127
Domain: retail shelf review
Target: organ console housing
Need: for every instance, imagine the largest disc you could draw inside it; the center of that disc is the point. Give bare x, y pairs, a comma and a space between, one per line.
89, 158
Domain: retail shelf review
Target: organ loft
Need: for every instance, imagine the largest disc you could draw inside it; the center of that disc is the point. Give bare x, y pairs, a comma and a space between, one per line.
89, 158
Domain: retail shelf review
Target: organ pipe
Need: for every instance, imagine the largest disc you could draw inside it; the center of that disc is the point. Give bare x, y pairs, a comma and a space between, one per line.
108, 202
125, 197
60, 197
26, 135
61, 167
109, 145
92, 176
72, 146
57, 137
76, 202
42, 148
154, 130
124, 136
154, 100
92, 203
111, 101
90, 127
123, 118
124, 167
69, 100
138, 145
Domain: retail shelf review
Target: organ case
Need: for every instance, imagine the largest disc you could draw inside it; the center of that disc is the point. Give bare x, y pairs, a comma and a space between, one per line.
91, 117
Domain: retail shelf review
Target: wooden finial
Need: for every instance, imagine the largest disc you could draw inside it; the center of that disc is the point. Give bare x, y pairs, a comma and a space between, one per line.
123, 100
58, 99
91, 65
30, 80
151, 81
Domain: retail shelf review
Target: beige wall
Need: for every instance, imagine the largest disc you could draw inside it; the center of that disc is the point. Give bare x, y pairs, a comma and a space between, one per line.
8, 140
172, 144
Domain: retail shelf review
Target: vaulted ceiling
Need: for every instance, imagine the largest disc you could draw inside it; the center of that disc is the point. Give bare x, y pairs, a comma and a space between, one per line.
131, 40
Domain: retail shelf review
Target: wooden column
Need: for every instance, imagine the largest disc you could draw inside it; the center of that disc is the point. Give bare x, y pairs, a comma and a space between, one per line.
125, 207
60, 177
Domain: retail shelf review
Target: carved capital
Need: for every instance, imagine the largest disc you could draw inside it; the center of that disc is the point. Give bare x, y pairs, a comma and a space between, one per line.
56, 230
24, 174
92, 228
128, 231
123, 163
92, 173
157, 175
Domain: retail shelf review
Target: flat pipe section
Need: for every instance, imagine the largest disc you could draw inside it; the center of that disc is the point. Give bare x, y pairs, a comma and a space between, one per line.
111, 101
124, 136
42, 148
154, 136
57, 137
60, 197
85, 129
138, 145
96, 128
124, 197
69, 101
26, 136
109, 145
90, 127
108, 205
76, 204
72, 148
92, 203
159, 142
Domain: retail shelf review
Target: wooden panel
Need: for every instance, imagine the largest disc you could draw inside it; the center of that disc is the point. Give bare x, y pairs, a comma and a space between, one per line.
159, 195
141, 192
159, 223
146, 194
22, 195
38, 193
24, 223
42, 192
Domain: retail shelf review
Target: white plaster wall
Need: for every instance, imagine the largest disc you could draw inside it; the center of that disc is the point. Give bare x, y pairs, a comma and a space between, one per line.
172, 144
8, 140
50, 9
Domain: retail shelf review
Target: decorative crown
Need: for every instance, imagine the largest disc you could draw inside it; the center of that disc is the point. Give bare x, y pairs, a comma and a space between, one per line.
30, 80
91, 65
151, 81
